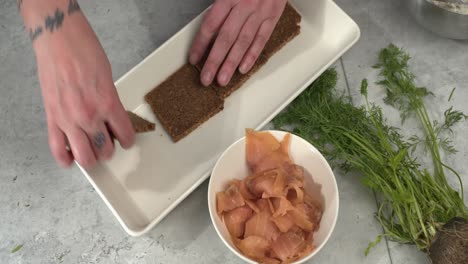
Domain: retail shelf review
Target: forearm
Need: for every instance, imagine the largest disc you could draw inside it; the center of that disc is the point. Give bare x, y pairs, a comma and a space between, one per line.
42, 18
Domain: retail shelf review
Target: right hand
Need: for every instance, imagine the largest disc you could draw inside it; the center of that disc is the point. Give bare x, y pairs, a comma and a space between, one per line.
240, 29
80, 100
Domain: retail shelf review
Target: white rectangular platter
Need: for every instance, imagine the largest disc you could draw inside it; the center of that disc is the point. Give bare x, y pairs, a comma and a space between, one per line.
142, 185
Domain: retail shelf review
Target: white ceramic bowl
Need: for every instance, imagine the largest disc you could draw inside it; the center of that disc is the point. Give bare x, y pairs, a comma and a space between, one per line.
318, 177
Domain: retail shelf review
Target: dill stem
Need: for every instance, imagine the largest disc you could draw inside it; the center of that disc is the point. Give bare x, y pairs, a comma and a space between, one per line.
432, 143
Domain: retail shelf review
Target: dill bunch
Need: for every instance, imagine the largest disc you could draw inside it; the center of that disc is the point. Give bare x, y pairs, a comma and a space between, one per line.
414, 204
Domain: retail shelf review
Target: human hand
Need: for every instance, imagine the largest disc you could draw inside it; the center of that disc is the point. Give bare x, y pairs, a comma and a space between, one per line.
80, 100
241, 28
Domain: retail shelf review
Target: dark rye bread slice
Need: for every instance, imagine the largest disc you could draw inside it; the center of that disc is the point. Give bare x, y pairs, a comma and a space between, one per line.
237, 80
182, 103
140, 124
286, 29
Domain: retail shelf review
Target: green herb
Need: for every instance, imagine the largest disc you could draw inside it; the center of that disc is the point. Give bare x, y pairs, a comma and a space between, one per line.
413, 203
451, 95
16, 249
403, 94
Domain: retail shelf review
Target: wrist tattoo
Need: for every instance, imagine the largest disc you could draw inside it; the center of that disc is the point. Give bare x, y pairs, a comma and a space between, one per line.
19, 3
33, 34
55, 21
99, 140
73, 6
52, 22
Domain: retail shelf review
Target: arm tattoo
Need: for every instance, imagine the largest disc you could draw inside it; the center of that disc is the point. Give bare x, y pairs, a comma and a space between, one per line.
73, 6
99, 140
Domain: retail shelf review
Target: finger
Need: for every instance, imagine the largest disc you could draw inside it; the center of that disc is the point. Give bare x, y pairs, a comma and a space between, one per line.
121, 127
116, 119
223, 43
243, 42
81, 147
58, 146
101, 142
261, 38
213, 20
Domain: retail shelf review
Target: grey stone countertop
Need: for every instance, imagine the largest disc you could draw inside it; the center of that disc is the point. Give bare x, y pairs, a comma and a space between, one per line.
58, 217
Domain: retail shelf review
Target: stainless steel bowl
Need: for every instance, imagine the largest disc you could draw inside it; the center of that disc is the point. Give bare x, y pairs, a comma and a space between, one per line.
439, 20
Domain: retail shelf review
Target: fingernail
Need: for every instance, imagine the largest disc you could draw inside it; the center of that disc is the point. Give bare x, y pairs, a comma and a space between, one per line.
207, 78
244, 68
223, 78
193, 58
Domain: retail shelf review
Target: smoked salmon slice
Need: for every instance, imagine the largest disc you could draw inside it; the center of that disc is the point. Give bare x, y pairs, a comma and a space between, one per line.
235, 220
254, 246
229, 199
252, 206
288, 245
294, 193
270, 159
281, 206
260, 224
284, 222
261, 183
259, 145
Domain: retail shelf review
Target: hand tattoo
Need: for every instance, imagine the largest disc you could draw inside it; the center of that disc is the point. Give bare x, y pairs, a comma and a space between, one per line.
99, 140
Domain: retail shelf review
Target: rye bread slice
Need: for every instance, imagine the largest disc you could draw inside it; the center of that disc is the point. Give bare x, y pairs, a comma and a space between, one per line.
286, 29
182, 103
140, 124
237, 80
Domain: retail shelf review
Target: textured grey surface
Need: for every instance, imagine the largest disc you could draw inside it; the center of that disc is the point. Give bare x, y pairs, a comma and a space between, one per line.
58, 218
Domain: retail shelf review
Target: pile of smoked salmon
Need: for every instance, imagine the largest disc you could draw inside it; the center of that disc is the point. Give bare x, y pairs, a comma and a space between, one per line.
269, 215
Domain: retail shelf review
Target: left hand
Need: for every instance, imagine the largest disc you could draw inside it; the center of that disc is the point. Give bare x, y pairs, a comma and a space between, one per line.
242, 28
